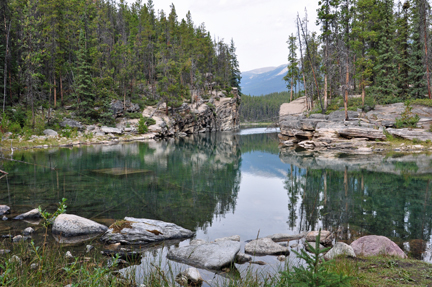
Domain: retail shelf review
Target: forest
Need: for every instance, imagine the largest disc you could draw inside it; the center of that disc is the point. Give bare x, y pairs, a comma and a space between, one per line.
262, 108
82, 55
378, 49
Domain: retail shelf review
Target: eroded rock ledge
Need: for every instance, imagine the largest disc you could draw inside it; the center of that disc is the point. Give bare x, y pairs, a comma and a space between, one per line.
362, 133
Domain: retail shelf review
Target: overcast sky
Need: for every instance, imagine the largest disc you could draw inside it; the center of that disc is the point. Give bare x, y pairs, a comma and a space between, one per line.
260, 28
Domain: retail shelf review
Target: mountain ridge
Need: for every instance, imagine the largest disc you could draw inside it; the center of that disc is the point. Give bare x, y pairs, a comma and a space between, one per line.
263, 81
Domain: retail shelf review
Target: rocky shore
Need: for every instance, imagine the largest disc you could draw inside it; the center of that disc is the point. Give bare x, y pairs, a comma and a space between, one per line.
131, 237
362, 133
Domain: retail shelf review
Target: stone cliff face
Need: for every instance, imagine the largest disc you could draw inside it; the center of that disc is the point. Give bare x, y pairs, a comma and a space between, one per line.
219, 113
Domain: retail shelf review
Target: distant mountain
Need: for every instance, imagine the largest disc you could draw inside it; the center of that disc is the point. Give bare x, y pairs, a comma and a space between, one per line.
264, 81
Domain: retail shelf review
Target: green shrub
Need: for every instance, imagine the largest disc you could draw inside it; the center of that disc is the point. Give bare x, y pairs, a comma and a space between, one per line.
14, 128
423, 102
142, 127
316, 272
133, 115
407, 119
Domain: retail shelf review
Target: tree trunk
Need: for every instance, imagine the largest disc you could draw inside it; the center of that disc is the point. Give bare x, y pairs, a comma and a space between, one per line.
5, 67
291, 94
325, 91
363, 91
61, 89
346, 91
55, 92
426, 55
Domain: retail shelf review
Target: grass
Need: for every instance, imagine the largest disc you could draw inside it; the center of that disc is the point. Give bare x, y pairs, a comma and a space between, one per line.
422, 102
385, 271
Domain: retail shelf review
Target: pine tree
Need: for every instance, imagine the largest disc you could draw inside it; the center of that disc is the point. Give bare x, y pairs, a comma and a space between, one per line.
83, 84
416, 75
387, 59
293, 70
235, 70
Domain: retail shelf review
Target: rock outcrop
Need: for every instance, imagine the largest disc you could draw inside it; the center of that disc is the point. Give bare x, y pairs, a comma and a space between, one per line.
265, 246
218, 113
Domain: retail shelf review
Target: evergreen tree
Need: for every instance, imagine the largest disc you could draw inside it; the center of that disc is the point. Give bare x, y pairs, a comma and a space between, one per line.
293, 70
235, 70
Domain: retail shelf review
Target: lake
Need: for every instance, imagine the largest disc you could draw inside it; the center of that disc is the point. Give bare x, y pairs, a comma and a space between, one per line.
224, 184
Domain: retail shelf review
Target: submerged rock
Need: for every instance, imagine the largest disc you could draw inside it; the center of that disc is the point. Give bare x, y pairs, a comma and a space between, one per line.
233, 238
265, 246
32, 214
141, 231
213, 256
372, 245
69, 225
242, 258
281, 237
338, 249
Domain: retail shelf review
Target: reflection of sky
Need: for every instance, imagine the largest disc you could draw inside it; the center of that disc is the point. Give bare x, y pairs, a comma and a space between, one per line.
253, 131
263, 164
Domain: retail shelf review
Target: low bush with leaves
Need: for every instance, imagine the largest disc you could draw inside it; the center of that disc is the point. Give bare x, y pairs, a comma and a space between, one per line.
142, 127
48, 218
407, 118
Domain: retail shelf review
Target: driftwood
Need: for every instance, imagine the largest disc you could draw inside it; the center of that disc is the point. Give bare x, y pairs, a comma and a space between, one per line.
3, 172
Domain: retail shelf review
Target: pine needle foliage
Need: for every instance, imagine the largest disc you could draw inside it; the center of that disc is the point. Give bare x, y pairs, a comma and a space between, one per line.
316, 273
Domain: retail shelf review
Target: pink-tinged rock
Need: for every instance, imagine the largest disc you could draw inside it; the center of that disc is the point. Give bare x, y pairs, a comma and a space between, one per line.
376, 245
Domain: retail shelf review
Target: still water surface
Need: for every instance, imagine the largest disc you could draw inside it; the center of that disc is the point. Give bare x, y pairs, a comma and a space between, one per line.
221, 185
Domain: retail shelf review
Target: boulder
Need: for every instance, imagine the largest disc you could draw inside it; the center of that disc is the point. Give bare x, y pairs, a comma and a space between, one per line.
281, 237
50, 133
189, 277
32, 214
109, 130
141, 231
71, 123
69, 225
233, 238
372, 245
4, 209
308, 124
325, 239
197, 242
338, 249
265, 246
213, 256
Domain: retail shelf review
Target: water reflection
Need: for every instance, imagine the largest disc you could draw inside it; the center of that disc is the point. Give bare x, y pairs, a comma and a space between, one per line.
353, 201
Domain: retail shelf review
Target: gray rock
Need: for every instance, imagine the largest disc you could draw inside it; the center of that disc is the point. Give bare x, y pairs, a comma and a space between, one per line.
4, 218
50, 133
338, 249
373, 245
281, 258
325, 239
32, 214
18, 238
15, 259
71, 124
337, 116
109, 130
69, 225
189, 277
213, 256
34, 266
141, 231
68, 254
197, 242
89, 248
233, 238
265, 246
409, 134
4, 251
309, 124
318, 116
28, 231
281, 237
4, 209
242, 258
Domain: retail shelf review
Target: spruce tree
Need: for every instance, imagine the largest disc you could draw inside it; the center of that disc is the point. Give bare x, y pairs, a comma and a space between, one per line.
235, 70
293, 70
386, 89
83, 85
